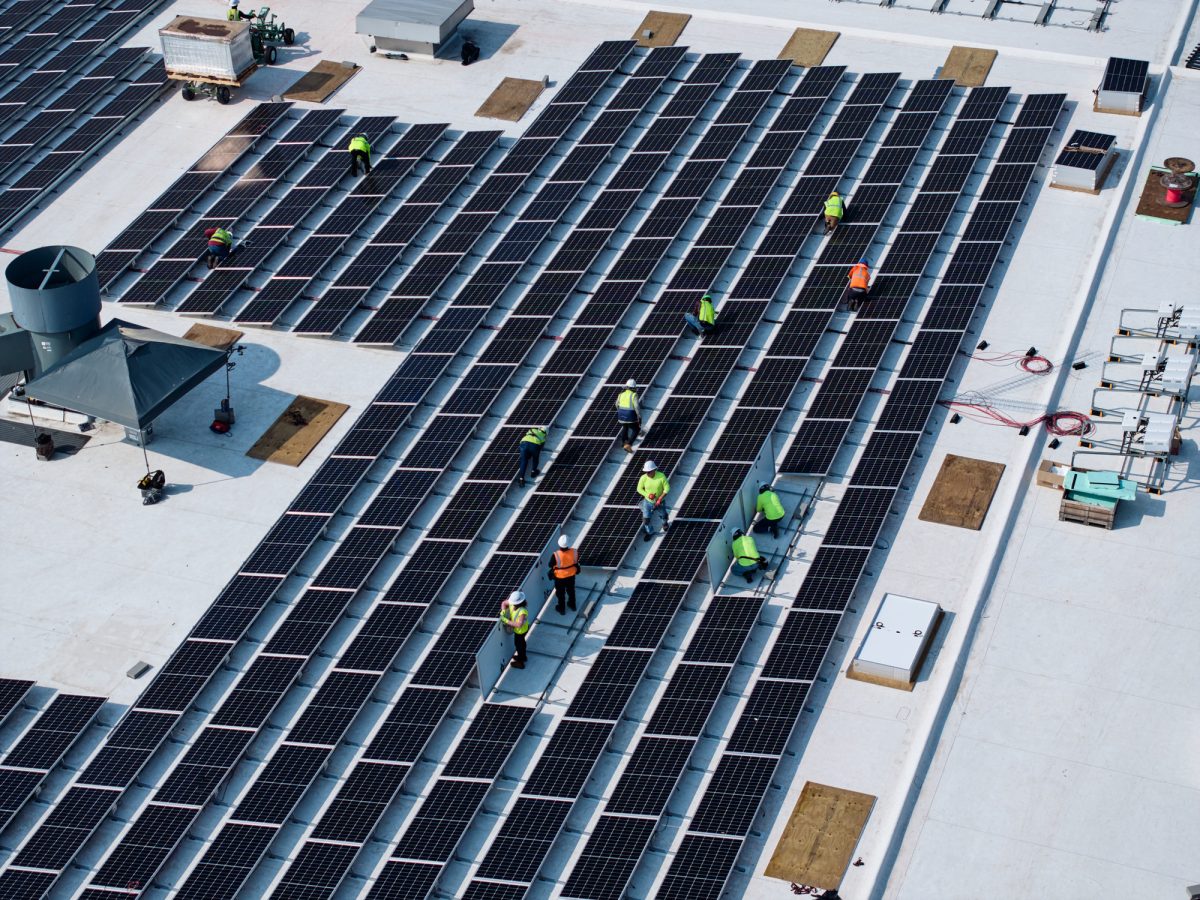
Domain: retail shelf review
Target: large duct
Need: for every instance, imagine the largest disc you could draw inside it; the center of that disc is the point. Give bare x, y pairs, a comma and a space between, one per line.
55, 302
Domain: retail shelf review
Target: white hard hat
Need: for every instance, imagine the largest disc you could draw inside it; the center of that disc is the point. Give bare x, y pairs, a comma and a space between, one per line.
233, 4
631, 384
564, 541
517, 598
649, 466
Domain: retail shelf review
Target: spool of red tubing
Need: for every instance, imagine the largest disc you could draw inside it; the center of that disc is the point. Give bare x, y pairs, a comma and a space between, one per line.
1173, 196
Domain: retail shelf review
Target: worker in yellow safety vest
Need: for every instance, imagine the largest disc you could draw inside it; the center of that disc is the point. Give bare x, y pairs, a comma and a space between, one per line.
360, 150
835, 208
564, 566
653, 487
531, 453
220, 245
745, 555
771, 509
629, 415
860, 282
704, 318
234, 14
514, 618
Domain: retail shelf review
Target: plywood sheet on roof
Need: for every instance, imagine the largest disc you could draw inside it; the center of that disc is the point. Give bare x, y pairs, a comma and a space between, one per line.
962, 492
318, 84
808, 46
820, 837
665, 28
212, 336
968, 66
297, 431
511, 99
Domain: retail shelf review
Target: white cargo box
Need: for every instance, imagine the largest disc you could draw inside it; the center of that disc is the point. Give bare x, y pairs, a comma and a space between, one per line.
212, 49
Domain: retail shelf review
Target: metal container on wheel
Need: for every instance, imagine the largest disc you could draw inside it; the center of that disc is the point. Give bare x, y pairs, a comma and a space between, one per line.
208, 55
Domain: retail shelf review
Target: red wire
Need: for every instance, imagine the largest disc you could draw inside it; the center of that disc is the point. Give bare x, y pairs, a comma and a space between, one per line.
1076, 424
1034, 365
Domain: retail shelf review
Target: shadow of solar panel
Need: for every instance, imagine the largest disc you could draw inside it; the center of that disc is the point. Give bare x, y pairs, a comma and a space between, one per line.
767, 719
801, 645
816, 446
908, 405
609, 537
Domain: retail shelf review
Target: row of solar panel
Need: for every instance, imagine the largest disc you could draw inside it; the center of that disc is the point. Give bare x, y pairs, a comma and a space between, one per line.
545, 511
141, 86
49, 849
643, 622
387, 626
614, 848
705, 856
150, 839
186, 190
840, 395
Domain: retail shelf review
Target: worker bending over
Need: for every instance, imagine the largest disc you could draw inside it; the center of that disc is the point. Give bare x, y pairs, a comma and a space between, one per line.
531, 453
629, 415
771, 509
653, 487
360, 150
704, 318
745, 555
470, 51
564, 566
220, 246
835, 208
514, 617
860, 283
235, 15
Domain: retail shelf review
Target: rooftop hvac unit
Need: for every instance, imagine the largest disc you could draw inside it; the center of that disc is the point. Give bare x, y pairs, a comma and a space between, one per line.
411, 26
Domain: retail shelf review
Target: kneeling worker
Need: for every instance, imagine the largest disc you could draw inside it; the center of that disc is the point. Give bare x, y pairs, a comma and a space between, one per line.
771, 508
745, 555
704, 319
515, 619
220, 246
860, 283
564, 566
835, 208
360, 151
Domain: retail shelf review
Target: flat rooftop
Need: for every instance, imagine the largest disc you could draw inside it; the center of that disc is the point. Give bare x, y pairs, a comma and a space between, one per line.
1048, 744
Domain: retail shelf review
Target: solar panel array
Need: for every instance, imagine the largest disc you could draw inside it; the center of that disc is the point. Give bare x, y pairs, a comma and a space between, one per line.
637, 801
290, 151
29, 184
416, 859
352, 286
186, 191
319, 868
564, 767
12, 692
49, 849
328, 238
838, 398
41, 748
704, 857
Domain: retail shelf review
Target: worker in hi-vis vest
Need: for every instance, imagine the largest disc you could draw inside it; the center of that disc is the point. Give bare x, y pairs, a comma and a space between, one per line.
531, 453
360, 151
704, 318
220, 246
771, 509
564, 566
745, 555
835, 208
514, 618
860, 282
653, 488
629, 415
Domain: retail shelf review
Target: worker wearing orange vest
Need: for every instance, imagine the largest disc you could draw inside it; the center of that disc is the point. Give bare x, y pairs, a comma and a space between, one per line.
860, 283
564, 566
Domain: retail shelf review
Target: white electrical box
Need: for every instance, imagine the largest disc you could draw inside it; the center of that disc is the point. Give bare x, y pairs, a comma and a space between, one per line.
898, 639
1160, 428
1177, 375
1151, 360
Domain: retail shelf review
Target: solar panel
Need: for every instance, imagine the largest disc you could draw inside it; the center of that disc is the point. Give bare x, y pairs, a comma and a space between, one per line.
1126, 76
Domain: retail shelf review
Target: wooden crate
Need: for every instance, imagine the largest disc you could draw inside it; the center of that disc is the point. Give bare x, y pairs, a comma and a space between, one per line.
1086, 514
